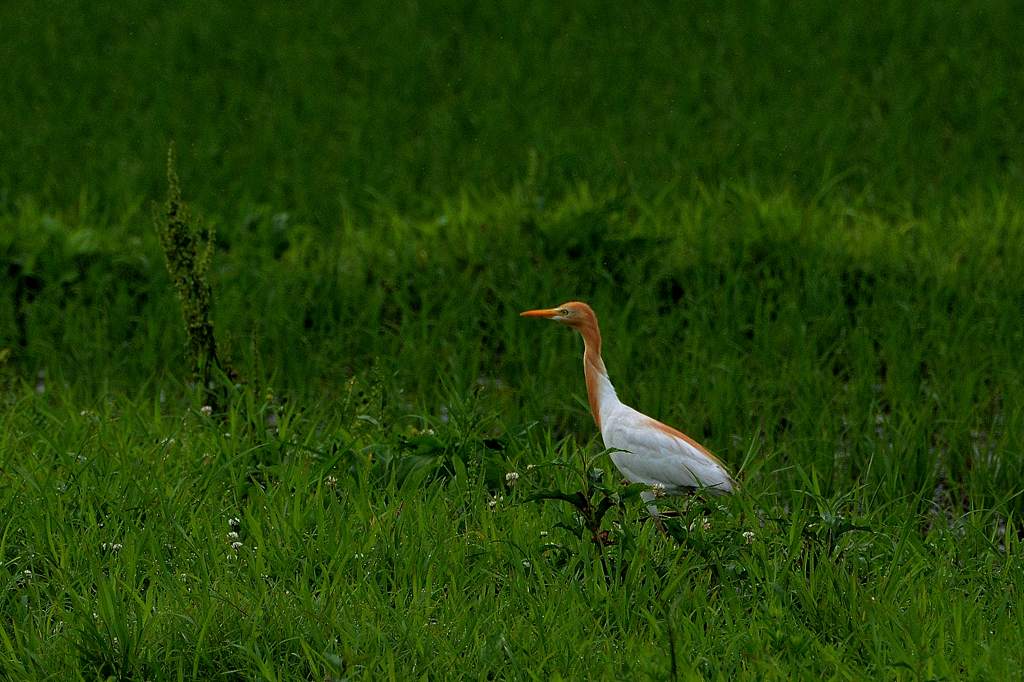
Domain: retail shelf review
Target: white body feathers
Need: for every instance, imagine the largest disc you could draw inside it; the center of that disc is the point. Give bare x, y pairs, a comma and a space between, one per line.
648, 452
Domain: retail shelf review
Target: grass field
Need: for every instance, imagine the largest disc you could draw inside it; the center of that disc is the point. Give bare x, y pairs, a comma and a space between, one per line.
803, 232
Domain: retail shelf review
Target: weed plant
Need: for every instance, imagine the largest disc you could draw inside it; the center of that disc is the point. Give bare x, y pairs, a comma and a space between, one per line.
188, 263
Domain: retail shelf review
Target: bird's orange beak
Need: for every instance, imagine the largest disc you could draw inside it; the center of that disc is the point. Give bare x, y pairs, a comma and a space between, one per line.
546, 312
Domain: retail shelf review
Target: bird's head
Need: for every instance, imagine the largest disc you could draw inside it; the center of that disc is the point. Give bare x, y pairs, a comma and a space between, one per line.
575, 314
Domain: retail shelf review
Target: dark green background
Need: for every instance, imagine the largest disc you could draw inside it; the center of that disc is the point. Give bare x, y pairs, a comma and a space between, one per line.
324, 106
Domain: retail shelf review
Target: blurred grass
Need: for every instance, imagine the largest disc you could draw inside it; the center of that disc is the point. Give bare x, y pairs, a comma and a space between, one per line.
333, 108
800, 229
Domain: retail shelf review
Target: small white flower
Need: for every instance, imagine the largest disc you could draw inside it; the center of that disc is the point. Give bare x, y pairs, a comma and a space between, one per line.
330, 481
511, 478
207, 410
748, 535
658, 489
233, 535
236, 545
234, 522
493, 502
543, 533
526, 563
704, 524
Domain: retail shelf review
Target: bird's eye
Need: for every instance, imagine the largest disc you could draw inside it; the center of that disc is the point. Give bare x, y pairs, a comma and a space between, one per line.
563, 312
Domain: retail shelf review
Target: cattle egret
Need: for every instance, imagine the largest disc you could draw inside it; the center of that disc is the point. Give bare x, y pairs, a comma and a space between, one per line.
644, 450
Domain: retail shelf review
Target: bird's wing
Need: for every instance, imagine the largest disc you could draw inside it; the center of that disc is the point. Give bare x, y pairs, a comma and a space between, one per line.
655, 453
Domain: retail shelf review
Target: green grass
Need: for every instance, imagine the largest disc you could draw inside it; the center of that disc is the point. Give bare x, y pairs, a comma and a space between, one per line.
377, 576
859, 374
327, 111
800, 230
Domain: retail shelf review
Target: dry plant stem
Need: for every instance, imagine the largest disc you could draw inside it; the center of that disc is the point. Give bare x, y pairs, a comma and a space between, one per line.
188, 255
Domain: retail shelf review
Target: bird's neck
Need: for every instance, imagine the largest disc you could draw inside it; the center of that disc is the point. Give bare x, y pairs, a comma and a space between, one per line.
600, 392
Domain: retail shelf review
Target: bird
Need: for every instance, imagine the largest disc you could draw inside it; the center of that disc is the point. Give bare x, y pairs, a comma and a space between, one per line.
642, 448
